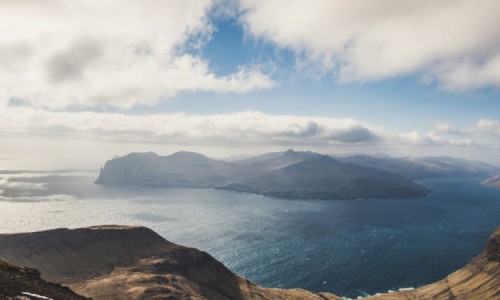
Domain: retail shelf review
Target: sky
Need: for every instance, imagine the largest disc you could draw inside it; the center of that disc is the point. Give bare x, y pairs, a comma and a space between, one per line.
82, 81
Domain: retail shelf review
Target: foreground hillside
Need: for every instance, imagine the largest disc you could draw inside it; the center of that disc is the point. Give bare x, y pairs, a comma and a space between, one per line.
25, 283
122, 262
117, 262
289, 174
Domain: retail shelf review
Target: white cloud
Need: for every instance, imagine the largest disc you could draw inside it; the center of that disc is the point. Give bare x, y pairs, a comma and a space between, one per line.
180, 128
49, 139
455, 43
227, 130
58, 54
483, 128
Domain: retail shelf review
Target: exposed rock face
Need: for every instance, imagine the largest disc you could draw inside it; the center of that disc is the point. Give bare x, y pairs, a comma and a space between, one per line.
25, 283
117, 262
121, 262
493, 182
290, 174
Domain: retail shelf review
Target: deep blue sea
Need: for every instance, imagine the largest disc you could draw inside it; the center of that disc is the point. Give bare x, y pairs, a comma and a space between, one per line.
349, 247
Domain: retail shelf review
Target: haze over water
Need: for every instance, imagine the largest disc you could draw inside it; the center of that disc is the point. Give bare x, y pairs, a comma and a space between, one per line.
349, 247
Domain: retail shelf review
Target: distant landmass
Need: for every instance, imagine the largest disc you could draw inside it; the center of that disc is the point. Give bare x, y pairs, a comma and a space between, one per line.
130, 262
425, 167
493, 182
289, 174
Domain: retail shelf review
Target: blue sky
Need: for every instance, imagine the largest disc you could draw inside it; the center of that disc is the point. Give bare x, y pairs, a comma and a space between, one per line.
230, 78
391, 102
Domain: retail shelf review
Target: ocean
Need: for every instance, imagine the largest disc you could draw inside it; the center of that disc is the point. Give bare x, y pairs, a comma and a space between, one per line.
348, 247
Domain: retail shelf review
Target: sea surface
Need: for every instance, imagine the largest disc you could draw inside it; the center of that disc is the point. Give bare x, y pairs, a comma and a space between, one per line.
349, 247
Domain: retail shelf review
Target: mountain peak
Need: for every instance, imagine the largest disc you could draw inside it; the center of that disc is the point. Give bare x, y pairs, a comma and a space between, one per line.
141, 154
188, 154
289, 153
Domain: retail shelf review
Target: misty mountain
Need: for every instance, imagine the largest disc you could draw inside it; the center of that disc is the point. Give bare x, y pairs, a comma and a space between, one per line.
425, 167
181, 169
290, 174
273, 161
322, 177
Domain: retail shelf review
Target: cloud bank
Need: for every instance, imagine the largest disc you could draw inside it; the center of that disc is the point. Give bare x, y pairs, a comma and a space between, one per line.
58, 54
452, 42
225, 130
50, 139
483, 128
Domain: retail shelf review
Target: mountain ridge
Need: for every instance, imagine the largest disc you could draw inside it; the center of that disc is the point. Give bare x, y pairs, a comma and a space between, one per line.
425, 167
299, 173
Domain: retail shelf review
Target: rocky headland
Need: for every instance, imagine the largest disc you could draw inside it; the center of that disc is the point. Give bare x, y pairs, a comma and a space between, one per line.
127, 262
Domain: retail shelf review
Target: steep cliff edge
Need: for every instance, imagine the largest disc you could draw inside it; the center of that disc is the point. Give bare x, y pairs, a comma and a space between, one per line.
124, 262
121, 262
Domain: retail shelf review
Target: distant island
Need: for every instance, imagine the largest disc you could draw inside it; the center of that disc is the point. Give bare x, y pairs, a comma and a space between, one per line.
289, 174
127, 262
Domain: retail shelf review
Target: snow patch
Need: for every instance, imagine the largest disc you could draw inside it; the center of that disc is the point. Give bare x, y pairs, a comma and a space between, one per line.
36, 296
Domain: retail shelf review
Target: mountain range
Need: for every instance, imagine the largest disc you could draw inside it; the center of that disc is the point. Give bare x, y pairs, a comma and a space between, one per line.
425, 167
289, 174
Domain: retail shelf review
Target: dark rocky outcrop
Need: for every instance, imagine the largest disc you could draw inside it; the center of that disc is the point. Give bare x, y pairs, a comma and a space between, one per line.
25, 283
290, 174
